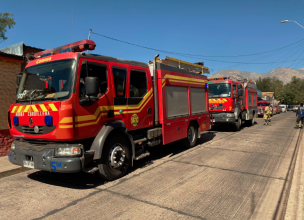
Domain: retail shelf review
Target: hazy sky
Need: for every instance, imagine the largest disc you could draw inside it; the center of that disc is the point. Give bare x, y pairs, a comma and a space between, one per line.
206, 28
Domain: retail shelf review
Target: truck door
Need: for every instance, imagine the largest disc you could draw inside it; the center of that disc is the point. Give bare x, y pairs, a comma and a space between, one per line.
234, 94
90, 113
140, 101
120, 100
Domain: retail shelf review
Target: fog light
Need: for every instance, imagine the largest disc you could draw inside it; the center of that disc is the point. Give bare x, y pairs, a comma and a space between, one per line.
13, 146
68, 151
16, 120
48, 120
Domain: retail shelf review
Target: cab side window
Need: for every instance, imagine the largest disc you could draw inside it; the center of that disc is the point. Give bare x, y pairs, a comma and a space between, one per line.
234, 90
138, 83
119, 76
94, 70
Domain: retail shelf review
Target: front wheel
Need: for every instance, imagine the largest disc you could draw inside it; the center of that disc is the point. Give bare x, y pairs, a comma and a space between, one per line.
238, 124
191, 138
116, 158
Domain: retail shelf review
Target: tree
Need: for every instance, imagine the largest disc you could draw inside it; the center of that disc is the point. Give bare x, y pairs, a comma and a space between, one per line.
5, 21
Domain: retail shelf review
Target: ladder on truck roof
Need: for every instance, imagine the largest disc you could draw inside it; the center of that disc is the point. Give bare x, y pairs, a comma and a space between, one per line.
236, 78
198, 68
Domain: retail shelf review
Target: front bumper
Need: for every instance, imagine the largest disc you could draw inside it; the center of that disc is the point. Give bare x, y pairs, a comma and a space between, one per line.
43, 158
223, 118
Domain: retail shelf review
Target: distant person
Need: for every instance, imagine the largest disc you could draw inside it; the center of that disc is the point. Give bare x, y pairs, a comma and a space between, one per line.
267, 114
300, 116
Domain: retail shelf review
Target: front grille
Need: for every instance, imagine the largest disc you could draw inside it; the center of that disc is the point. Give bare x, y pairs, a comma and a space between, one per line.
30, 130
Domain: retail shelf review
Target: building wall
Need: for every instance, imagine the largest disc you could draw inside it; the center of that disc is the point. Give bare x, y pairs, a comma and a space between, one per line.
8, 72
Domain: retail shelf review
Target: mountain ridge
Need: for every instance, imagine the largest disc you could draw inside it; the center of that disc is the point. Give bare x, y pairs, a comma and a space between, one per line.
282, 73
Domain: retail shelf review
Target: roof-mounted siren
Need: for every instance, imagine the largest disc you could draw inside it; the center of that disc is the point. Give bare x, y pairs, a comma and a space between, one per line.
78, 46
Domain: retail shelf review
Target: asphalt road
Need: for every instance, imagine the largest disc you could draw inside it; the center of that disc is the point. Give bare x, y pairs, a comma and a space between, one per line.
228, 175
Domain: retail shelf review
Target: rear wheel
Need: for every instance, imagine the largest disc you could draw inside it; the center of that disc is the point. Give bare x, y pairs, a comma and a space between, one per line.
191, 138
116, 158
250, 122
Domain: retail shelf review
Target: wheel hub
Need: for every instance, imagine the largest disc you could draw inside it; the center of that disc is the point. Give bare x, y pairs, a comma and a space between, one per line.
117, 157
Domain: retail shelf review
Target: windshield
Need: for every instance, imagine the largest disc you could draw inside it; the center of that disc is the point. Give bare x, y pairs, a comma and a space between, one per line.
219, 90
263, 104
49, 81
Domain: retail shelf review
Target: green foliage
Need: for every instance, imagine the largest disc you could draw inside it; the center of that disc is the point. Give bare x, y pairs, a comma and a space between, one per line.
5, 21
292, 93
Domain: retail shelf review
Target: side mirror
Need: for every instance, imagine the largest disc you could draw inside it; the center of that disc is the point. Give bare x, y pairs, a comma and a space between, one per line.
18, 79
240, 92
91, 84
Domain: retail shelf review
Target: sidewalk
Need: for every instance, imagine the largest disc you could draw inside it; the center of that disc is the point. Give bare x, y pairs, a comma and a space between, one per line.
5, 165
295, 205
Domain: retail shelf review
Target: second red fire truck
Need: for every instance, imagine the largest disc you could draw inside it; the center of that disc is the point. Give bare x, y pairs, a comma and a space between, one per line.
78, 111
232, 100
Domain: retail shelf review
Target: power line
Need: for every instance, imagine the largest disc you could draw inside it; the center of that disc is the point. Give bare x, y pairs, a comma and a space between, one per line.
192, 55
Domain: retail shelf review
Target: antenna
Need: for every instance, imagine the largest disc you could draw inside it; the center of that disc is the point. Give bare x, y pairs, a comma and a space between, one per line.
90, 30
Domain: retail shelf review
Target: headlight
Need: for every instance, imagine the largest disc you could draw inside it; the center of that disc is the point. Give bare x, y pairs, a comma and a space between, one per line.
13, 146
230, 115
68, 151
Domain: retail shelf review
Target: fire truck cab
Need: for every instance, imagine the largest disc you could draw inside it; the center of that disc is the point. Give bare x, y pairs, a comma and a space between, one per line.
76, 111
232, 100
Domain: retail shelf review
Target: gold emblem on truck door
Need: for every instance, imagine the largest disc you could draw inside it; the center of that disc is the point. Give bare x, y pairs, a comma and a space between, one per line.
134, 120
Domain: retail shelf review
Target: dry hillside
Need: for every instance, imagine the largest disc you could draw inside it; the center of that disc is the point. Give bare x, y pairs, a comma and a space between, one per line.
283, 74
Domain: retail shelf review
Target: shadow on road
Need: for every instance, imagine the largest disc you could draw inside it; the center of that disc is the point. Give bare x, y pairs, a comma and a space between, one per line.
82, 180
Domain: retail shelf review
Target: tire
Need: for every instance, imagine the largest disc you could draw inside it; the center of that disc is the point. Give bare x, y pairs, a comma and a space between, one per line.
238, 124
250, 122
115, 146
191, 138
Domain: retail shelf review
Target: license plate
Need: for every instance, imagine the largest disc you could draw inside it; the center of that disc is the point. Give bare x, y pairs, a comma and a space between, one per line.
29, 164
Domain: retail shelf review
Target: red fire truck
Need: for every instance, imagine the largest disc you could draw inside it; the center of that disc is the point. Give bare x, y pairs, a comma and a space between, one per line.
233, 100
77, 111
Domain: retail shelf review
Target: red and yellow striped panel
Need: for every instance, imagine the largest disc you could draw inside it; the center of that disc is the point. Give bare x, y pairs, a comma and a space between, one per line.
35, 108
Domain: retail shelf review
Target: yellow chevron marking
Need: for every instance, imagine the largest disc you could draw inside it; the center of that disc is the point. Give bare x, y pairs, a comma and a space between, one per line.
130, 107
66, 120
27, 108
163, 80
14, 108
19, 109
137, 111
53, 107
43, 108
65, 126
173, 80
91, 123
34, 108
163, 84
185, 78
93, 117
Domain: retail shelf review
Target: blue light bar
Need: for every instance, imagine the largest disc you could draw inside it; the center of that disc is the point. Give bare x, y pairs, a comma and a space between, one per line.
48, 120
45, 55
16, 120
65, 50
